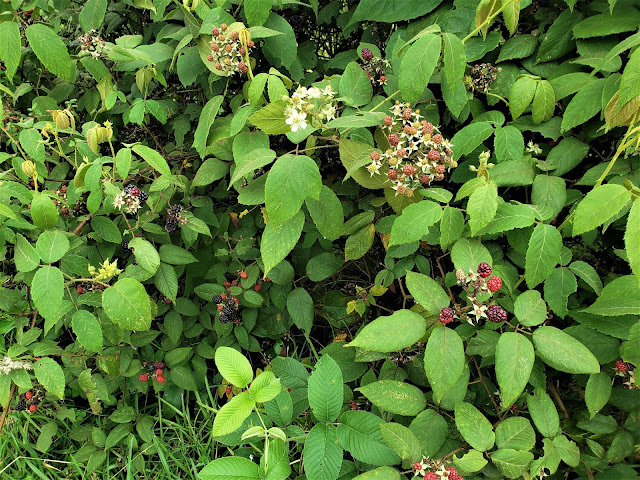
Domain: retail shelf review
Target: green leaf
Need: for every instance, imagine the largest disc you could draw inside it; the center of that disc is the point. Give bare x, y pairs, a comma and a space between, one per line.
619, 297
359, 243
233, 366
230, 468
52, 245
265, 387
417, 66
153, 158
508, 144
482, 206
549, 191
474, 426
451, 226
10, 47
399, 330
175, 255
251, 161
127, 304
521, 94
508, 217
520, 46
414, 222
455, 60
25, 256
467, 254
322, 453
359, 434
515, 433
598, 206
395, 397
402, 441
558, 40
280, 409
618, 21
583, 106
88, 330
257, 11
472, 461
354, 153
300, 307
50, 49
587, 273
485, 12
431, 429
47, 290
561, 351
211, 170
50, 375
543, 254
380, 473
108, 230
291, 179
278, 242
597, 392
427, 292
557, 288
327, 213
92, 14
392, 10
568, 450
207, 117
325, 390
270, 119
444, 360
355, 87
166, 281
530, 309
514, 363
566, 155
544, 102
631, 241
468, 138
145, 254
512, 463
43, 212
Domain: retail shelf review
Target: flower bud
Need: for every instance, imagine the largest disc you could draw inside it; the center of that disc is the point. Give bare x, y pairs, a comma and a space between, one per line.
29, 168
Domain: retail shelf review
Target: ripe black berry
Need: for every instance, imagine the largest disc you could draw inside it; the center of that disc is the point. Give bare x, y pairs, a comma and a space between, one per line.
175, 210
171, 224
21, 406
217, 299
231, 302
224, 318
125, 246
496, 314
143, 196
129, 188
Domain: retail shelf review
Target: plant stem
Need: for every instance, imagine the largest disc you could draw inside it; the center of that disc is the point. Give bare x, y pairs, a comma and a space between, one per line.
488, 20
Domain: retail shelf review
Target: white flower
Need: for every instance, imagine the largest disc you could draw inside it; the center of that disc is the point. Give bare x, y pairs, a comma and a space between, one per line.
328, 91
297, 98
118, 201
297, 121
373, 168
329, 112
479, 311
314, 92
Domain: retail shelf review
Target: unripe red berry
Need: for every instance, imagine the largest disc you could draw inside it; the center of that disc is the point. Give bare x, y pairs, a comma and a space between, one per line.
431, 476
408, 169
218, 66
250, 44
143, 377
392, 174
28, 395
424, 179
223, 27
393, 139
383, 78
215, 31
234, 283
388, 120
367, 54
402, 189
453, 474
223, 296
234, 36
494, 284
134, 191
401, 152
63, 189
437, 138
406, 114
235, 299
160, 379
227, 284
80, 290
439, 169
159, 372
257, 287
417, 466
446, 315
159, 364
484, 269
220, 307
228, 48
242, 51
33, 408
622, 366
242, 67
210, 58
267, 279
243, 274
227, 390
433, 155
167, 300
374, 156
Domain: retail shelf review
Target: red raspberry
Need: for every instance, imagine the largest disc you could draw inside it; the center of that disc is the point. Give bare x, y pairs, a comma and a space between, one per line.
160, 379
159, 372
453, 474
369, 75
388, 120
446, 315
417, 466
484, 270
33, 408
437, 138
431, 476
402, 189
496, 314
406, 114
374, 156
134, 191
223, 296
383, 78
227, 390
243, 274
408, 169
158, 364
80, 290
439, 169
220, 307
393, 139
392, 174
234, 283
235, 299
494, 284
433, 155
227, 284
215, 31
143, 377
257, 287
621, 366
425, 179
367, 54
427, 128
28, 395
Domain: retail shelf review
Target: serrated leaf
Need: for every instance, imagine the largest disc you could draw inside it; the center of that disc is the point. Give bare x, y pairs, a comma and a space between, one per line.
597, 392
418, 64
153, 158
474, 426
521, 95
233, 414
322, 453
399, 330
88, 330
544, 102
443, 360
414, 222
47, 290
530, 309
230, 468
396, 397
561, 351
470, 137
50, 49
359, 433
482, 206
127, 304
50, 375
233, 366
543, 254
631, 242
277, 242
598, 206
514, 363
325, 390
619, 297
205, 121
402, 441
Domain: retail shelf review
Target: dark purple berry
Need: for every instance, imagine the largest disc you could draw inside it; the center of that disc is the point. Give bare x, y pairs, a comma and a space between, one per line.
367, 54
496, 314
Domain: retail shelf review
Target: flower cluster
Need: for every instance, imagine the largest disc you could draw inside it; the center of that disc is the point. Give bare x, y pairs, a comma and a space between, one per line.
311, 105
435, 470
106, 271
92, 44
229, 52
482, 76
628, 374
174, 218
7, 364
417, 155
132, 198
476, 284
155, 369
375, 67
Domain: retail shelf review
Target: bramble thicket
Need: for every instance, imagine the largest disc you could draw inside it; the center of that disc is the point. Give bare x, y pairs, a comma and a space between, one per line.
320, 239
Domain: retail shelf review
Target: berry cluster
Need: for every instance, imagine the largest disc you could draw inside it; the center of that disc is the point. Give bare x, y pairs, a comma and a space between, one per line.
476, 283
313, 102
155, 369
228, 309
228, 52
375, 67
174, 218
29, 401
91, 44
628, 374
128, 250
482, 76
434, 470
417, 153
80, 207
132, 198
